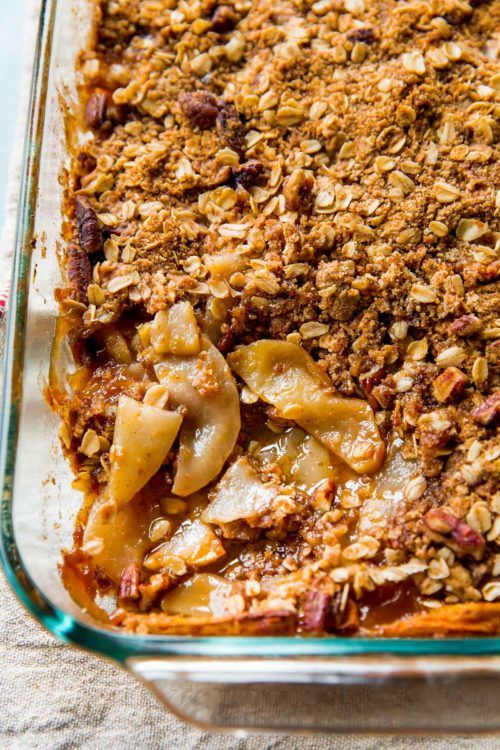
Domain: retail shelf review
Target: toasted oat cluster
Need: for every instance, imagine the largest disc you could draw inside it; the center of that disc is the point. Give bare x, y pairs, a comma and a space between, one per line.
282, 299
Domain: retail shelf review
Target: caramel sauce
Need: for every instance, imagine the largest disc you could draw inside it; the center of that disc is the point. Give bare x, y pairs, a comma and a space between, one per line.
388, 603
80, 578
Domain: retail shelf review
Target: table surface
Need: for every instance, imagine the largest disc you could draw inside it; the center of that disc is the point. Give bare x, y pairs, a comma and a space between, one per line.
10, 79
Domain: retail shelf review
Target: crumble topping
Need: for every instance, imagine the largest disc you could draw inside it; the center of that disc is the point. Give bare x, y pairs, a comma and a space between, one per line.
321, 174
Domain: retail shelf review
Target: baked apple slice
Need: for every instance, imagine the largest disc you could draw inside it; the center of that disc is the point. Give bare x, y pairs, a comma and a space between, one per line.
142, 439
193, 542
202, 594
204, 388
240, 495
285, 375
124, 542
175, 331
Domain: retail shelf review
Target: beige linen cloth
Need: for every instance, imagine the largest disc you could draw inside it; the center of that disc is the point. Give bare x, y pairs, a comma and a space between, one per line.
57, 698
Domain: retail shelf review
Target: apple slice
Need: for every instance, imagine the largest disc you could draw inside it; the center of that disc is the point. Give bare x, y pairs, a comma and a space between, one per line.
387, 490
175, 331
125, 540
285, 375
142, 439
304, 460
203, 386
240, 495
202, 594
193, 541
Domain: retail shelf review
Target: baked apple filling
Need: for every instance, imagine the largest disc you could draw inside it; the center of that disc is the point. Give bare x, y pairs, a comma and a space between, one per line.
281, 302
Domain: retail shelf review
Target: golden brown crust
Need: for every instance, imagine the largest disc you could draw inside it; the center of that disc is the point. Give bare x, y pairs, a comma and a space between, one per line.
322, 173
272, 623
456, 619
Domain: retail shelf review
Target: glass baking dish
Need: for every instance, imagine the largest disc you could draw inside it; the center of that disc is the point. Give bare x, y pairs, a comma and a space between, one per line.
232, 683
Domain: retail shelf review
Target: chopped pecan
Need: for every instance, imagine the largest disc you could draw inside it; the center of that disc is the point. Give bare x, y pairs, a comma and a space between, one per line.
96, 110
200, 107
298, 189
87, 162
364, 35
230, 127
129, 583
315, 611
368, 382
159, 583
467, 325
449, 385
79, 272
370, 379
224, 19
442, 522
101, 113
488, 412
248, 173
227, 341
384, 394
89, 230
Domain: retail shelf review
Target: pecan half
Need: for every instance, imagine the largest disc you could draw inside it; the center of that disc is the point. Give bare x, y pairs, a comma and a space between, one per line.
200, 107
315, 610
449, 385
467, 325
488, 412
101, 113
89, 230
79, 272
129, 583
96, 110
365, 35
230, 127
224, 19
443, 522
248, 173
297, 190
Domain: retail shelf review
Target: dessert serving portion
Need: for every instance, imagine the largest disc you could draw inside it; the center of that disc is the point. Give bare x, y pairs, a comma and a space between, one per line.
281, 299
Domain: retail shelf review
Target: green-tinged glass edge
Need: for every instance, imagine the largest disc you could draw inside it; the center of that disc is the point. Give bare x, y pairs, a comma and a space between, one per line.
115, 644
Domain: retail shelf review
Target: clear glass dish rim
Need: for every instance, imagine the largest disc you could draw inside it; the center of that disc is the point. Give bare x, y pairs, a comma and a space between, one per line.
114, 644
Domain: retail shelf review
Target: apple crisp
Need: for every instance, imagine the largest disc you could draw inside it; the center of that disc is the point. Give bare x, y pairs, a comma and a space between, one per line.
282, 301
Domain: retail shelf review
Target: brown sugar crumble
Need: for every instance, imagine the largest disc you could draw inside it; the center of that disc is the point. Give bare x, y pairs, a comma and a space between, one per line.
283, 301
